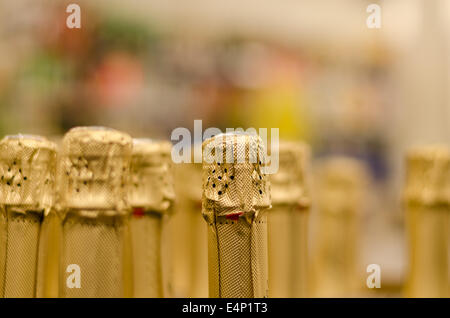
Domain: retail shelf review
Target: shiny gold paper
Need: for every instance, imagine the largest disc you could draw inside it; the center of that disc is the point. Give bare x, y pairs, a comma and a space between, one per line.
235, 195
151, 195
427, 200
27, 168
288, 223
93, 176
50, 239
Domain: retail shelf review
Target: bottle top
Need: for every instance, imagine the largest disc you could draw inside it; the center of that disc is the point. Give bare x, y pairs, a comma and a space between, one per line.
289, 184
233, 180
428, 175
27, 168
93, 171
341, 185
151, 187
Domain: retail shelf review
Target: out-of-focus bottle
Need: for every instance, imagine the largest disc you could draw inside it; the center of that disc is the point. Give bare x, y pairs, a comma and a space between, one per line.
27, 168
427, 201
340, 186
189, 233
93, 176
236, 192
151, 196
288, 223
50, 239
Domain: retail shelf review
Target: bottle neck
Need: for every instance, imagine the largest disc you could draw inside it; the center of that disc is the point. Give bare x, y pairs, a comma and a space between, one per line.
428, 239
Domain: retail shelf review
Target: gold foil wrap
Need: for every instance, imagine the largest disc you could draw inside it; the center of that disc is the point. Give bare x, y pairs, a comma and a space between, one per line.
340, 186
50, 238
93, 176
427, 200
27, 169
288, 223
235, 194
151, 194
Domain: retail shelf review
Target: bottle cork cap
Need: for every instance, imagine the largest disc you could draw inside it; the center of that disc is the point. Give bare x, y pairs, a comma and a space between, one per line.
27, 168
233, 178
288, 185
341, 184
93, 171
151, 187
428, 175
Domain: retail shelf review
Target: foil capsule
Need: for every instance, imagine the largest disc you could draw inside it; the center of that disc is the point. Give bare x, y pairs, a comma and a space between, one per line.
427, 205
236, 194
289, 184
341, 197
151, 184
151, 195
27, 168
93, 180
288, 222
341, 183
94, 169
233, 178
427, 176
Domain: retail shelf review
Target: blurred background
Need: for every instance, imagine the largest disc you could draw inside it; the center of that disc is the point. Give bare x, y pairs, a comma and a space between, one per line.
311, 68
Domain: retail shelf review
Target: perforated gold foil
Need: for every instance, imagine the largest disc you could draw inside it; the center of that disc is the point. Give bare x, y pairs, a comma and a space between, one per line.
427, 200
235, 195
93, 176
27, 169
151, 195
288, 223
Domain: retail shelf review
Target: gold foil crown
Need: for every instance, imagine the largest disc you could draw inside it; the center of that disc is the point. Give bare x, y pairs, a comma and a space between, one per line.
288, 185
233, 178
151, 186
341, 185
27, 168
428, 175
93, 171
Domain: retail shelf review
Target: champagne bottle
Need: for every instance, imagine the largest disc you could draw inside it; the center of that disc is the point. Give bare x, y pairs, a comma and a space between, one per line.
340, 196
427, 203
50, 238
288, 223
93, 176
235, 194
27, 167
151, 197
